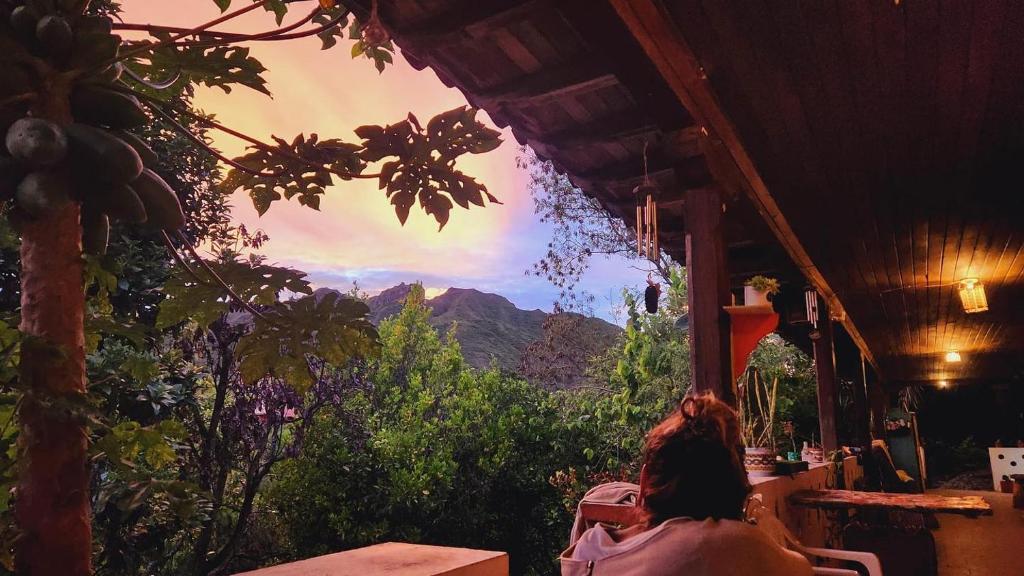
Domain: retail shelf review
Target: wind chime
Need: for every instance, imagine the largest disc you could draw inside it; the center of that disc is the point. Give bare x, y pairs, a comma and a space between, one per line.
646, 216
647, 232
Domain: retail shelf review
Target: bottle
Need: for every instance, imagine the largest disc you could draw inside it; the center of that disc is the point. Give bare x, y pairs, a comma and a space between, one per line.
805, 453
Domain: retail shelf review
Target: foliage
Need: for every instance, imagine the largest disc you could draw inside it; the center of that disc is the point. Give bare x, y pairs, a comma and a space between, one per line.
797, 396
757, 410
431, 451
582, 229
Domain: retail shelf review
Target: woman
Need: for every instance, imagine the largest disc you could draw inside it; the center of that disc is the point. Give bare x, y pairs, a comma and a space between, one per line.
692, 490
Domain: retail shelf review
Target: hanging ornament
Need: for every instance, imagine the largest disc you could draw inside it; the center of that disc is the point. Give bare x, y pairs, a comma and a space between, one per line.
651, 295
646, 196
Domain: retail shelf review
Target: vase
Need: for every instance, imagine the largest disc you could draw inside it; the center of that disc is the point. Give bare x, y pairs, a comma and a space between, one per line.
754, 297
759, 461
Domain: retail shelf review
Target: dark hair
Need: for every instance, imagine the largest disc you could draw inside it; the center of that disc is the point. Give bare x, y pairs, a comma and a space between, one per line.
694, 464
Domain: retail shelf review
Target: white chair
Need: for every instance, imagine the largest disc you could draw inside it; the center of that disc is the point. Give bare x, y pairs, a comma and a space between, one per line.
759, 514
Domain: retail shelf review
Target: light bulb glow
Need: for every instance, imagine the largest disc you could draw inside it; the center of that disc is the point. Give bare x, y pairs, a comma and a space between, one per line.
972, 295
953, 356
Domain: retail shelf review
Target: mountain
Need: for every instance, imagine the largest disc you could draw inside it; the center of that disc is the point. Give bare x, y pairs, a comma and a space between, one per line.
487, 325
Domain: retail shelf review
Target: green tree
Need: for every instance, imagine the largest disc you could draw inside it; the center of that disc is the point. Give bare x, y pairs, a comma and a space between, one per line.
432, 451
71, 87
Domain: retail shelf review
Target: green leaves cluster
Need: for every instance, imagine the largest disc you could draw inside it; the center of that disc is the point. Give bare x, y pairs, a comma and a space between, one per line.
432, 451
418, 164
213, 66
424, 168
332, 328
304, 168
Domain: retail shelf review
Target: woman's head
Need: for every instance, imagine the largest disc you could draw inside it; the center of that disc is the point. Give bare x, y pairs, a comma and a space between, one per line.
693, 464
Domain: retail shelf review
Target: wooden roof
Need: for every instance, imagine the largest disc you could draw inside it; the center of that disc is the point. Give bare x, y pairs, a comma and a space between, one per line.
570, 81
869, 146
889, 135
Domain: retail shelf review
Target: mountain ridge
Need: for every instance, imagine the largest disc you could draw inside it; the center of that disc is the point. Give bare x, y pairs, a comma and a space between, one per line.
488, 326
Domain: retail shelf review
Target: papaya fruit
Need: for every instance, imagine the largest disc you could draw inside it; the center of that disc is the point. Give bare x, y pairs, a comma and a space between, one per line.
92, 24
98, 156
92, 47
43, 193
11, 173
55, 36
95, 232
97, 105
162, 205
36, 142
119, 202
149, 158
23, 21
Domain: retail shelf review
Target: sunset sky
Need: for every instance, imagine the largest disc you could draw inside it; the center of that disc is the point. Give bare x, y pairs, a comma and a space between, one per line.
356, 235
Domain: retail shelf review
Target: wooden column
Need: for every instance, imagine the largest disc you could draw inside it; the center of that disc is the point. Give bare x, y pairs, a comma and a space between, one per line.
860, 404
708, 293
825, 369
878, 403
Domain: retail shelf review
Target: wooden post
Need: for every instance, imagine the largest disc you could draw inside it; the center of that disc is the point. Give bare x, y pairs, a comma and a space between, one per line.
707, 294
860, 404
825, 369
878, 403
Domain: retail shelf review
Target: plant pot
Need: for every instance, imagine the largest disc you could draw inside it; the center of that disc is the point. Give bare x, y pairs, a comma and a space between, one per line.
759, 461
754, 297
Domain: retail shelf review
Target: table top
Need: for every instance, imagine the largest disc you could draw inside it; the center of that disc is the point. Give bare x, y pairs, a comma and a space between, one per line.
844, 499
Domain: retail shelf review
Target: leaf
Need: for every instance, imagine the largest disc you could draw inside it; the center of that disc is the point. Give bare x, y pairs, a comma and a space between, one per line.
332, 328
222, 4
425, 164
214, 66
258, 284
301, 168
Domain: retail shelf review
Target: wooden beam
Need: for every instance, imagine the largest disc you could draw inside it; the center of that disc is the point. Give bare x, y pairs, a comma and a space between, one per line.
678, 64
708, 294
468, 20
604, 130
825, 371
550, 82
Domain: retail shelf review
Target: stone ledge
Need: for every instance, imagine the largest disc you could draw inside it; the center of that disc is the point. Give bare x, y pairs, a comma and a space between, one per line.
396, 559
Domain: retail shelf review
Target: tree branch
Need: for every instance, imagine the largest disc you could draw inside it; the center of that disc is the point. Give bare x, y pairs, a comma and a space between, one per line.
277, 150
153, 46
206, 147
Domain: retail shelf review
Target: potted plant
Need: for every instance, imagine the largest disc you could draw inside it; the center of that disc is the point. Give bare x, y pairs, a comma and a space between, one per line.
757, 290
757, 417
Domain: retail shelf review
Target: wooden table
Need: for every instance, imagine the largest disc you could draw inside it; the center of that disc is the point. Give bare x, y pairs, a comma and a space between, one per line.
845, 499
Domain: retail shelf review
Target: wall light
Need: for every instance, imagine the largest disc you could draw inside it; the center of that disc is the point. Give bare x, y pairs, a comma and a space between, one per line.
972, 295
953, 356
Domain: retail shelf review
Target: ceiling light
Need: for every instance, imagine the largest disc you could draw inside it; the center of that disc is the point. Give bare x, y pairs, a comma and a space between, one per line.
943, 384
972, 295
953, 356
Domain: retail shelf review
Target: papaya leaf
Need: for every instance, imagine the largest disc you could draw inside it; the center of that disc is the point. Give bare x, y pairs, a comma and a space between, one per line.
332, 328
258, 284
284, 176
425, 165
215, 66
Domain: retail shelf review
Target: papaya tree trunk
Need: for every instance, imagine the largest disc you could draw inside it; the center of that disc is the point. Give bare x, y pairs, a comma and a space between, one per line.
52, 500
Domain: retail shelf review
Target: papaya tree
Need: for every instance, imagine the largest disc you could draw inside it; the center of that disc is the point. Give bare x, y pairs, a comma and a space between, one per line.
72, 91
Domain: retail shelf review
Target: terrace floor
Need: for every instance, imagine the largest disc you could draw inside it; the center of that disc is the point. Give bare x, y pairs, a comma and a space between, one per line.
986, 546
